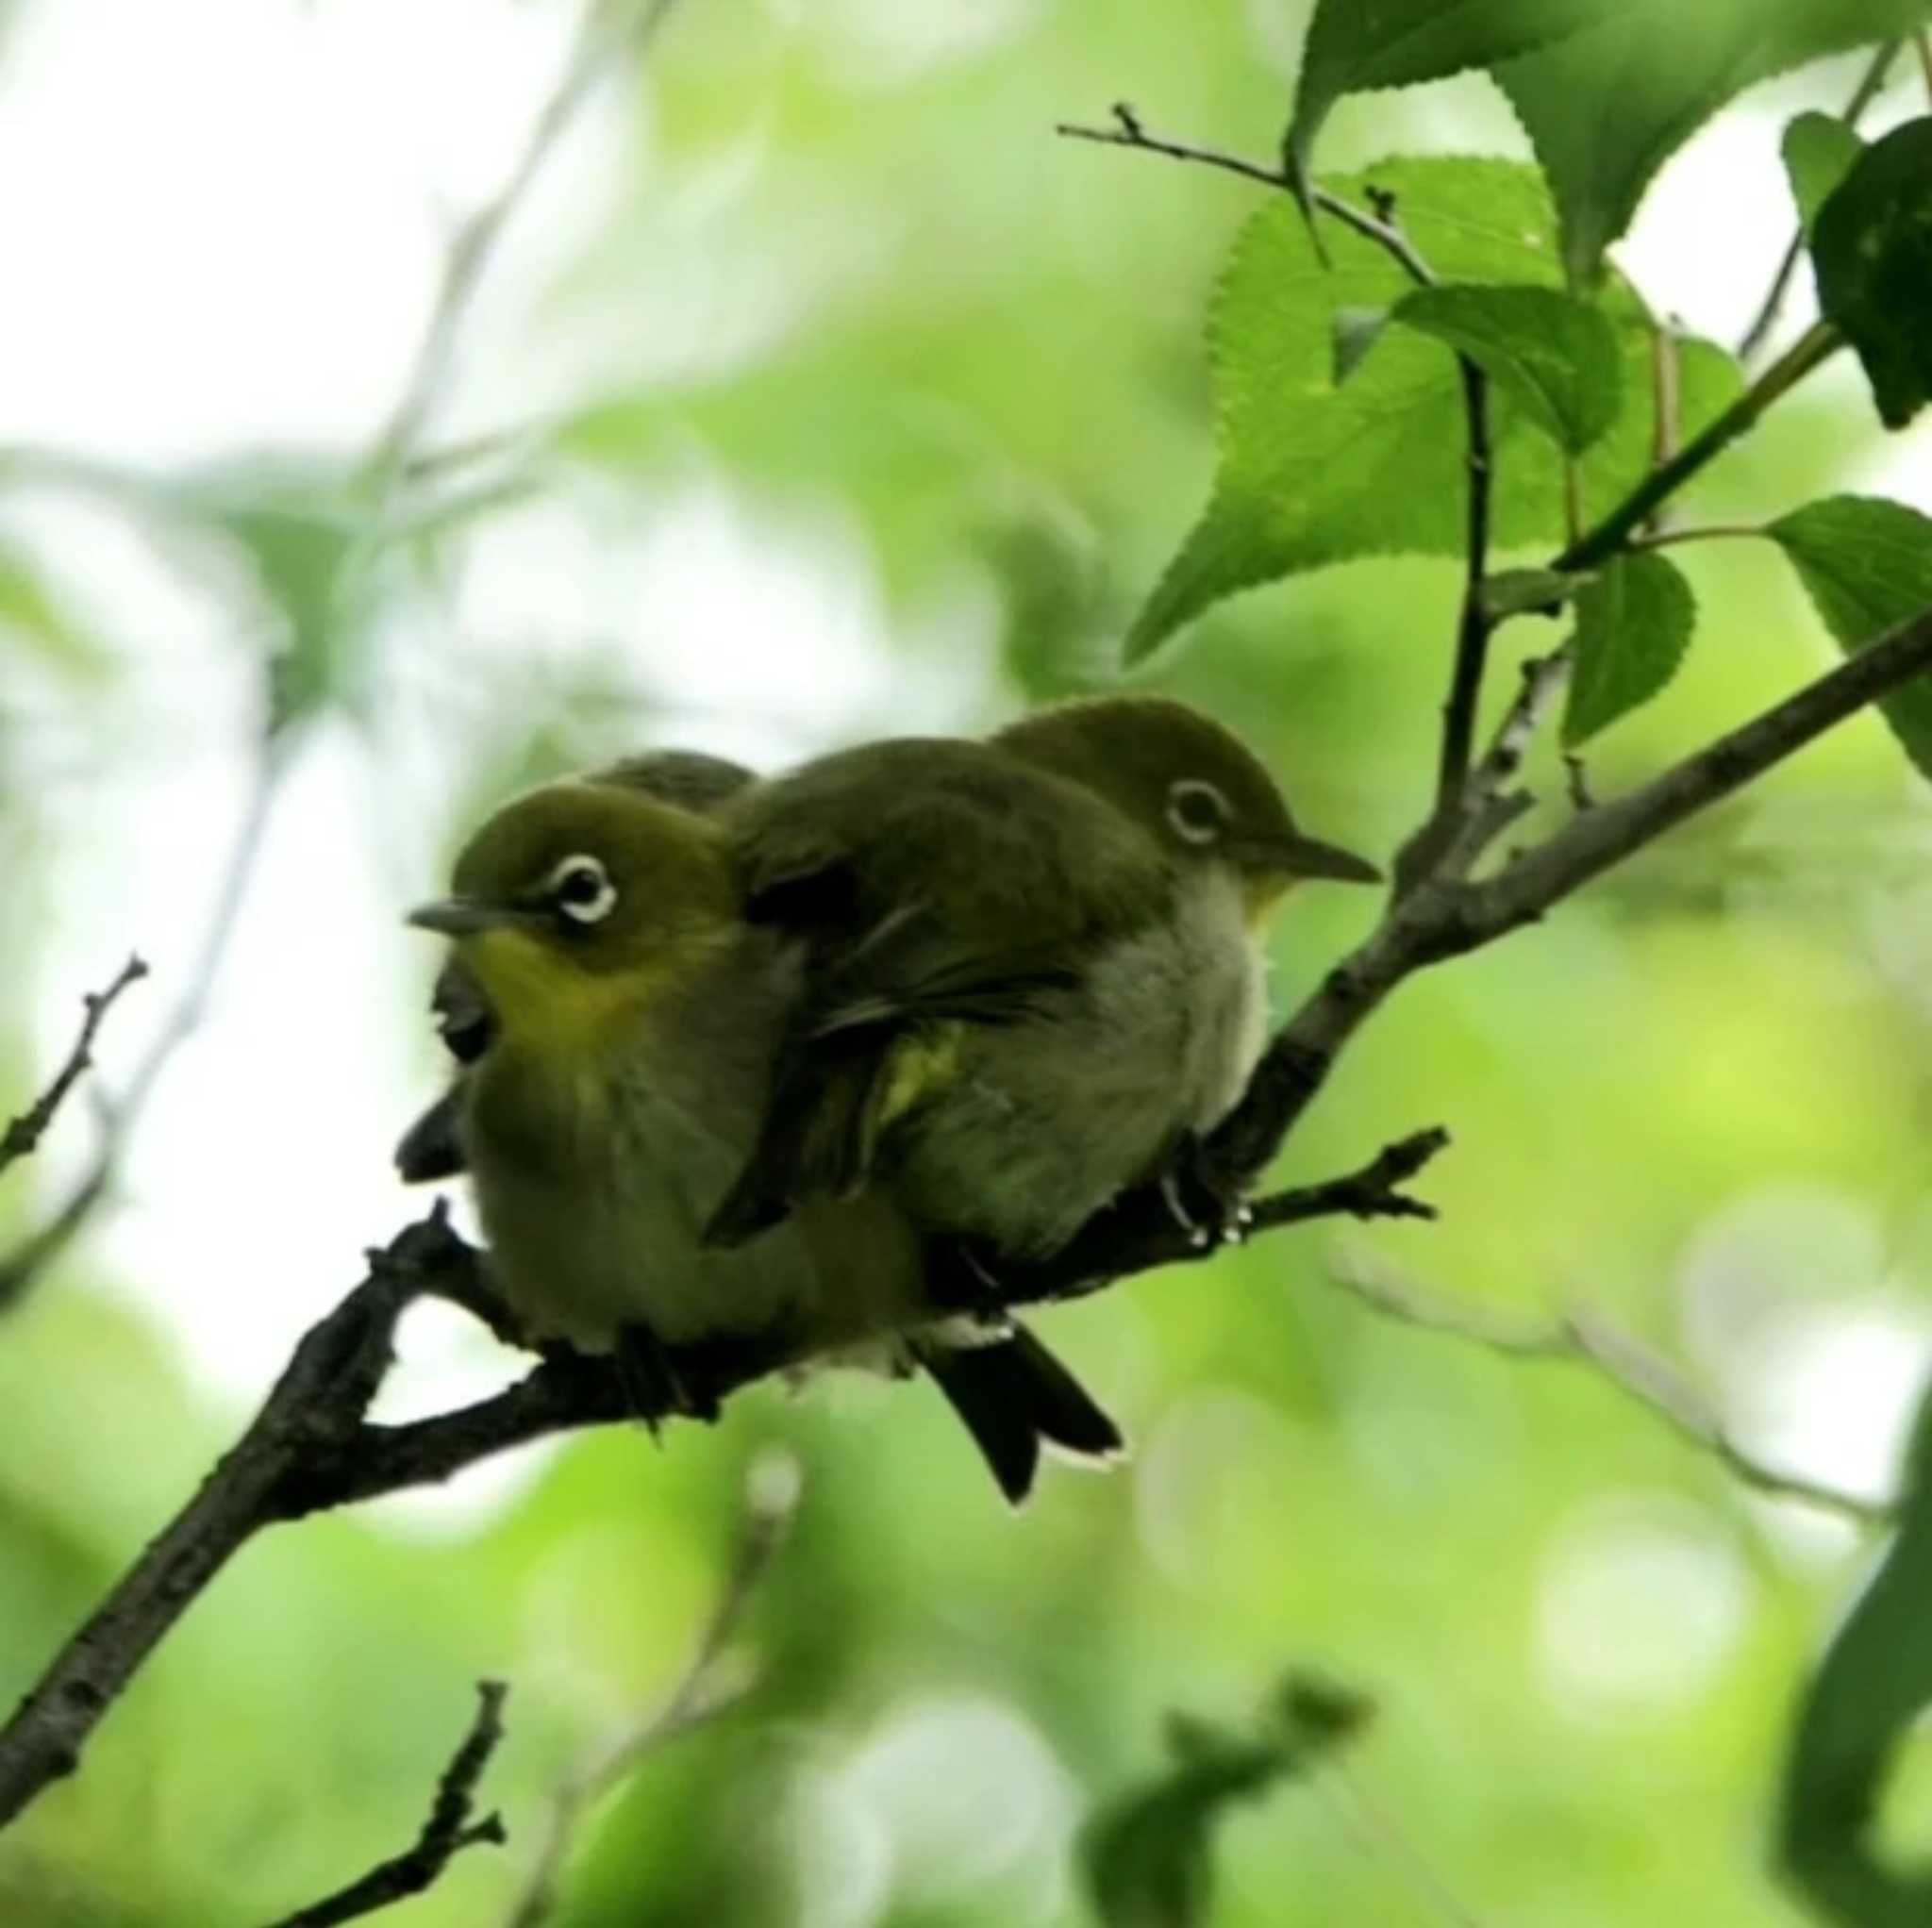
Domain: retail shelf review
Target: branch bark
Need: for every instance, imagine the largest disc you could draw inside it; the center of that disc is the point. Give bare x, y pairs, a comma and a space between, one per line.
312, 1447
24, 1133
1445, 916
447, 1831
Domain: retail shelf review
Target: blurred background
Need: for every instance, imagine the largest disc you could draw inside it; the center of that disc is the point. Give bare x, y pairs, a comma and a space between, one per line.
813, 390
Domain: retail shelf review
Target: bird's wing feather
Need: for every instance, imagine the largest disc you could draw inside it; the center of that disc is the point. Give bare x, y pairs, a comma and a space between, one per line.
934, 883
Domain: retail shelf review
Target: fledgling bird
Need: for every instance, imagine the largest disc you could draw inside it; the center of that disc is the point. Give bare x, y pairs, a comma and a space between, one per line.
432, 1147
1126, 852
622, 1020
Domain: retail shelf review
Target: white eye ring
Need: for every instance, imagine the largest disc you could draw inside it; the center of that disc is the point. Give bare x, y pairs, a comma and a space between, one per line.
1197, 810
581, 890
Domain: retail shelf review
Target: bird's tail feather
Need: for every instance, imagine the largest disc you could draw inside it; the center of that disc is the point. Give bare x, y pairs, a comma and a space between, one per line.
1013, 1396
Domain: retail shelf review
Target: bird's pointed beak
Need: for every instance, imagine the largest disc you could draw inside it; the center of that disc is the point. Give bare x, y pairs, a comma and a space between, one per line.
1297, 856
464, 917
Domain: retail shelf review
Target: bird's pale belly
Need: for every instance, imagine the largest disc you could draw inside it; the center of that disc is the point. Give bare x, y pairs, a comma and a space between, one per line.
1050, 1119
592, 1231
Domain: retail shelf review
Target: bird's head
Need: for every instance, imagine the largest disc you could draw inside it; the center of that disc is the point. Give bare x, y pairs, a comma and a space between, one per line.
1190, 783
582, 894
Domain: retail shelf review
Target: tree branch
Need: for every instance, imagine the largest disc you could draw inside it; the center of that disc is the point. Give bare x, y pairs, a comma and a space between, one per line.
317, 1403
1805, 357
610, 26
1475, 627
1444, 917
1580, 1338
21, 1267
447, 1831
312, 1447
1589, 845
1475, 624
24, 1133
1129, 131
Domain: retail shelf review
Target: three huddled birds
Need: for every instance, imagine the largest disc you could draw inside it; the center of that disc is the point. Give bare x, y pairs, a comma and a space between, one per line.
812, 1055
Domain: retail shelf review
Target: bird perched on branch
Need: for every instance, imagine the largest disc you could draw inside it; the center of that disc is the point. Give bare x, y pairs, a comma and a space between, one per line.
768, 1064
1122, 856
432, 1147
617, 1023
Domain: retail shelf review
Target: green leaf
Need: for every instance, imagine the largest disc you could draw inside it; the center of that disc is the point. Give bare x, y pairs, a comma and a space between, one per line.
1357, 46
1312, 473
1633, 625
1872, 1685
1872, 246
1606, 108
1147, 1856
1820, 151
31, 609
1867, 565
1558, 354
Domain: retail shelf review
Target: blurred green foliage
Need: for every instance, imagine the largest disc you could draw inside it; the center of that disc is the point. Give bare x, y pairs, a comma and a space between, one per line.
1698, 1100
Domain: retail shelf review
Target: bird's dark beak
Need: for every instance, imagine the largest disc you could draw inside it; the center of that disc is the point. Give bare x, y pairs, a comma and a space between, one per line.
464, 917
1296, 855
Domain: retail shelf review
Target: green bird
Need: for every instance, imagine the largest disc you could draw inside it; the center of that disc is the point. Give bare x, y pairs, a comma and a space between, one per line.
621, 1021
1122, 857
432, 1148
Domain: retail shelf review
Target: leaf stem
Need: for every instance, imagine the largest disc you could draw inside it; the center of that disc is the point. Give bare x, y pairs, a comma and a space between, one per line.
1809, 353
1702, 532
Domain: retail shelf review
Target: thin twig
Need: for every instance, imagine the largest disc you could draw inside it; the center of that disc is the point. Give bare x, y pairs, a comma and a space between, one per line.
1129, 132
1491, 803
1666, 395
1870, 84
447, 1831
24, 1135
1921, 45
1666, 425
1375, 1826
312, 1447
608, 30
1139, 1231
772, 1492
1576, 780
1445, 918
120, 1113
1580, 1338
1805, 357
1699, 532
1474, 624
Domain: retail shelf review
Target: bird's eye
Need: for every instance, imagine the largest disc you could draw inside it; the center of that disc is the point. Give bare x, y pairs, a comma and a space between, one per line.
1197, 810
581, 890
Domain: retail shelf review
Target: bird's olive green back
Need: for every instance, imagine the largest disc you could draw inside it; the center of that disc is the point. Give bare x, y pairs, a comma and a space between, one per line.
1005, 854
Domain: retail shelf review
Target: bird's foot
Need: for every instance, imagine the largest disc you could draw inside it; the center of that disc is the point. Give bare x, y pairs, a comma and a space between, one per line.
652, 1383
1200, 1200
960, 1277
